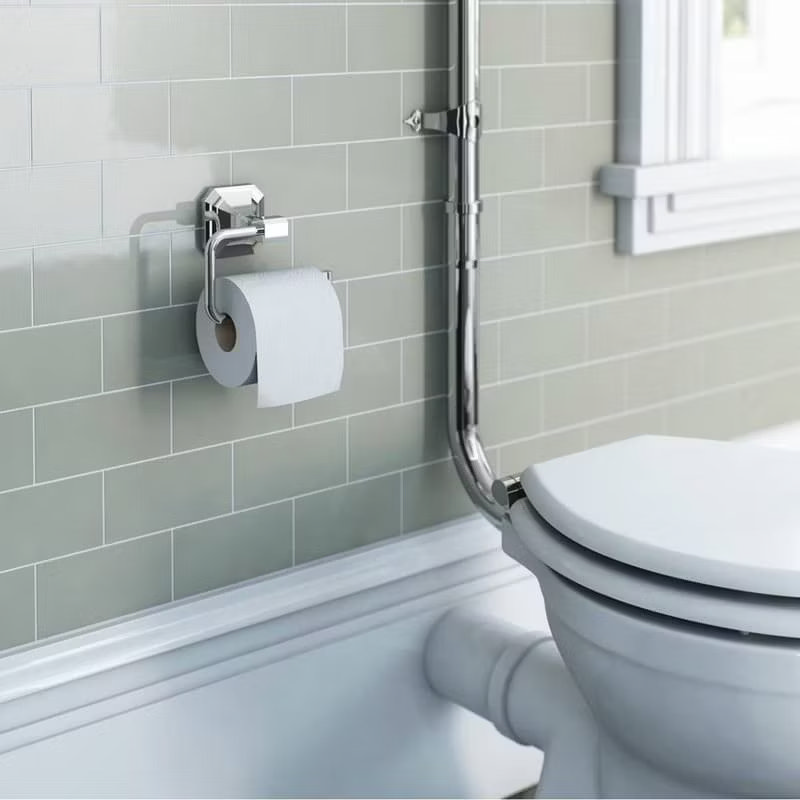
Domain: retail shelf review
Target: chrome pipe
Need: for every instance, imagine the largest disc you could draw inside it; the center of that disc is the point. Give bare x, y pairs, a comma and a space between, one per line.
462, 123
468, 451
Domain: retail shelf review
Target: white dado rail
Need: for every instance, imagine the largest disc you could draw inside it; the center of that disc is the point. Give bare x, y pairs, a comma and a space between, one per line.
672, 189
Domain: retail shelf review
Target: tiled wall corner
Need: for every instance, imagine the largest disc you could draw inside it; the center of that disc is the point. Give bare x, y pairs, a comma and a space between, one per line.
130, 478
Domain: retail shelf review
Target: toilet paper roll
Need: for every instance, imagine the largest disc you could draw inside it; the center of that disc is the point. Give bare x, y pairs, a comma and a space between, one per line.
283, 331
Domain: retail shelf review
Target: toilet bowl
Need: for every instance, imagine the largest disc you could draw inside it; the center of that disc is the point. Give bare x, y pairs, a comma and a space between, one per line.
670, 570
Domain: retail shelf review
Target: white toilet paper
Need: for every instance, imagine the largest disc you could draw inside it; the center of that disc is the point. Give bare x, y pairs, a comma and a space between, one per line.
285, 332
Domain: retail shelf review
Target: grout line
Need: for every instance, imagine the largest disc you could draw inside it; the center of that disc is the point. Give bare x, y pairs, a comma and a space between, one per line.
291, 111
230, 41
171, 418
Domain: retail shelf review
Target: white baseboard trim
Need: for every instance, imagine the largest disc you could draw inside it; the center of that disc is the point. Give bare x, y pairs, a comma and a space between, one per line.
108, 690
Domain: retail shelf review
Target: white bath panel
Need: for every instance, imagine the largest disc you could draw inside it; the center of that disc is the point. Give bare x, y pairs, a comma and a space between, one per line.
306, 684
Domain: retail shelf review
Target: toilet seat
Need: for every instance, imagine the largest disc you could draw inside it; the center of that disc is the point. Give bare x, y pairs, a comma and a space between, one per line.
531, 541
721, 514
591, 519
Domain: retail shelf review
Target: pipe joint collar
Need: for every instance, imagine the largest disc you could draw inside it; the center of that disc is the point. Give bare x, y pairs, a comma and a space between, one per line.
503, 675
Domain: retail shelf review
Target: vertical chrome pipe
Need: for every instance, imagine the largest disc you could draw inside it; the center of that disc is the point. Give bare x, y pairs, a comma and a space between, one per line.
462, 123
465, 205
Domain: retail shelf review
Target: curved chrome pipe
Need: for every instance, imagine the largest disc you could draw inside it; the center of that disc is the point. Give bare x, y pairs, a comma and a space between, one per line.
468, 452
462, 123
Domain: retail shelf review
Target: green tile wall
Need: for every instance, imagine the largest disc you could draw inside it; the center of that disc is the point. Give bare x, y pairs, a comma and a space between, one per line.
130, 479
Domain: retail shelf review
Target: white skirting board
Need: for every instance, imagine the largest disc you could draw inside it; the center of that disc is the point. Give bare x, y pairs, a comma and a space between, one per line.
305, 684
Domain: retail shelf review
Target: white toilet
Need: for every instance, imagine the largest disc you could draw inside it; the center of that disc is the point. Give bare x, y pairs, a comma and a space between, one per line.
670, 570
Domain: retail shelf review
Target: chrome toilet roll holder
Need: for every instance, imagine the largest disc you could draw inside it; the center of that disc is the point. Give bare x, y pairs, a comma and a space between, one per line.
233, 224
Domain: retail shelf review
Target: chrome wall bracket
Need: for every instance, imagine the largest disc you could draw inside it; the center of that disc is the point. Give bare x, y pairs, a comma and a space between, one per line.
463, 122
233, 224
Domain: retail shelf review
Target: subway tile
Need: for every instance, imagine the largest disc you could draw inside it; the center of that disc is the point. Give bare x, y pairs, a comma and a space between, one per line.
583, 275
97, 122
583, 394
16, 434
511, 411
511, 161
281, 40
714, 416
490, 99
179, 489
627, 325
17, 592
147, 195
188, 265
46, 364
768, 403
351, 516
425, 366
543, 96
206, 413
602, 216
664, 270
750, 354
397, 438
543, 342
427, 90
73, 189
489, 237
638, 423
341, 108
327, 241
575, 154
50, 520
232, 549
15, 289
230, 115
602, 92
517, 457
48, 45
150, 346
664, 375
512, 34
424, 236
580, 32
307, 180
397, 37
400, 171
511, 286
403, 304
141, 43
102, 584
371, 380
552, 218
124, 275
15, 134
85, 435
281, 465
489, 353
433, 495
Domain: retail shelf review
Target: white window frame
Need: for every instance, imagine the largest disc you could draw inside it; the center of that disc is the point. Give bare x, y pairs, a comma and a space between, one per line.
670, 190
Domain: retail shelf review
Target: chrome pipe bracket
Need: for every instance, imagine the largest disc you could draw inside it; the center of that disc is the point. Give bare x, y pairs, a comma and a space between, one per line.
233, 224
463, 122
507, 491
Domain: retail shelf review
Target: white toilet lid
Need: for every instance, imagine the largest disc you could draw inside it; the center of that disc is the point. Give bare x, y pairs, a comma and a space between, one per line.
721, 514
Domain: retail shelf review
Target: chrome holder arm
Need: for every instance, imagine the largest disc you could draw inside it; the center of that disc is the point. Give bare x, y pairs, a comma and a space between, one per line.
233, 217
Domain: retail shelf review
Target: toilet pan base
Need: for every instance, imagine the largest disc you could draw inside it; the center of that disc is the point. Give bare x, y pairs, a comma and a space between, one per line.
640, 706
